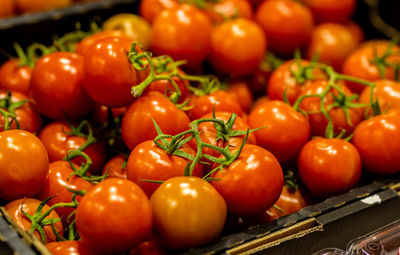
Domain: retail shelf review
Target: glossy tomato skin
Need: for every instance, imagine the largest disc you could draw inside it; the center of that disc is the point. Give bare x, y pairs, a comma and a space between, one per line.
292, 200
228, 9
284, 131
58, 142
40, 5
332, 43
57, 86
29, 205
377, 140
24, 164
329, 166
230, 37
109, 75
69, 248
137, 125
359, 63
188, 212
241, 91
331, 10
7, 8
219, 100
28, 118
318, 121
58, 181
149, 9
283, 81
252, 183
115, 167
182, 32
15, 77
287, 24
387, 93
86, 43
149, 162
114, 202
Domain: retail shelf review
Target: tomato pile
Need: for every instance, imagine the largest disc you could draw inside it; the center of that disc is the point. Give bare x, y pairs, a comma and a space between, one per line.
160, 131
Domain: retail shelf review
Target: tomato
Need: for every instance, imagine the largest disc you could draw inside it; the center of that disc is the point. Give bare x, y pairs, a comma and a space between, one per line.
329, 166
387, 93
287, 24
228, 9
55, 136
116, 167
250, 184
360, 63
318, 121
23, 164
231, 36
377, 140
292, 200
100, 114
149, 248
188, 212
182, 32
356, 31
241, 91
332, 43
58, 181
331, 10
29, 205
149, 162
109, 75
283, 81
40, 5
284, 131
7, 9
149, 9
124, 212
137, 124
28, 119
57, 86
219, 100
15, 77
137, 28
87, 42
69, 248
259, 101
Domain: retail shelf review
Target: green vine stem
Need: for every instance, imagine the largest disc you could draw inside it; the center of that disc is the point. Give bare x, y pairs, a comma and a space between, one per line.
83, 169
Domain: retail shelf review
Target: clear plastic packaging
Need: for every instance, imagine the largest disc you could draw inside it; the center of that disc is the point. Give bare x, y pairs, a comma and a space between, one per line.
330, 251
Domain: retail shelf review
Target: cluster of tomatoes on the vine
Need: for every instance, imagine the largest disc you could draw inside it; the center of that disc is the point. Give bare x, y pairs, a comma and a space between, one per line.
107, 148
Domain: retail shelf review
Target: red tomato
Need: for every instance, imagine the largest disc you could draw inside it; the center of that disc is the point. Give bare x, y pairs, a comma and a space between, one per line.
100, 114
332, 43
318, 121
241, 91
329, 166
57, 86
29, 205
356, 31
387, 93
7, 9
228, 9
188, 212
40, 5
149, 162
137, 124
377, 140
284, 131
58, 142
360, 63
182, 32
69, 248
283, 80
149, 9
58, 181
287, 24
28, 119
115, 167
331, 10
15, 77
292, 200
124, 212
252, 183
227, 52
149, 248
23, 164
109, 75
219, 100
85, 44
